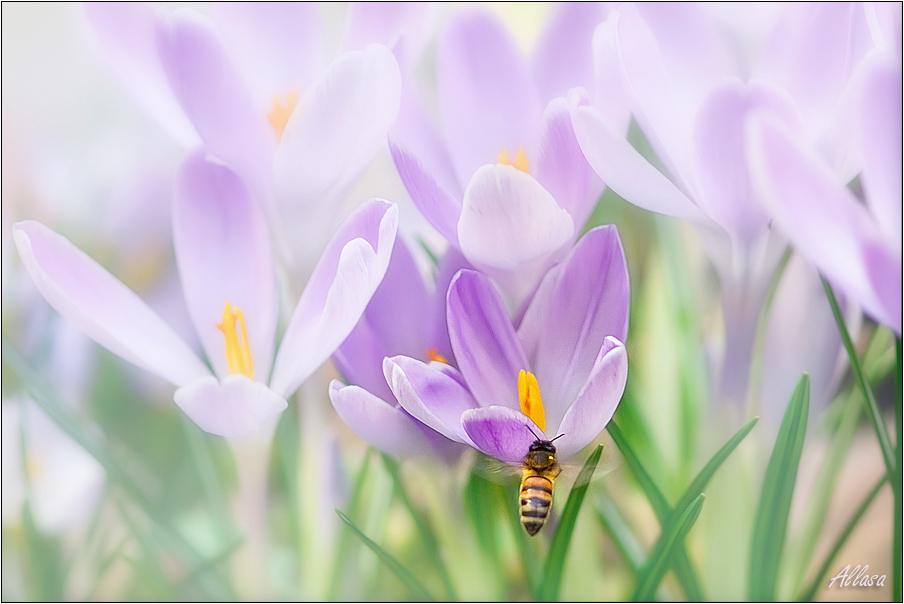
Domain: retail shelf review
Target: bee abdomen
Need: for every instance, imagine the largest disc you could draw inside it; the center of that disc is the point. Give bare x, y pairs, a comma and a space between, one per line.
536, 499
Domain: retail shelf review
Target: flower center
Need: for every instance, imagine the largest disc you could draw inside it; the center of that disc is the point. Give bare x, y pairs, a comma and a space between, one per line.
282, 109
520, 159
434, 355
238, 351
529, 398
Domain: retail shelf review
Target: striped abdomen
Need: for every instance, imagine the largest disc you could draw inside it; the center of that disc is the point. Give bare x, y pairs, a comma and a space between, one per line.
536, 500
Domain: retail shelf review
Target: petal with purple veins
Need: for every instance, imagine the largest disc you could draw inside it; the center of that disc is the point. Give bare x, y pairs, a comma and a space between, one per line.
501, 432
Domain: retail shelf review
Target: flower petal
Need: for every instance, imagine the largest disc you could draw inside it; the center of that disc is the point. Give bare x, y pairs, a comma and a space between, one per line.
625, 171
441, 209
345, 278
337, 128
378, 423
595, 404
580, 303
234, 406
501, 432
486, 96
101, 306
825, 221
561, 167
215, 98
434, 394
562, 58
125, 33
223, 253
486, 349
511, 227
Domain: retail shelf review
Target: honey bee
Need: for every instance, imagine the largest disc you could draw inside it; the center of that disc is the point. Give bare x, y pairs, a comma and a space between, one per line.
538, 477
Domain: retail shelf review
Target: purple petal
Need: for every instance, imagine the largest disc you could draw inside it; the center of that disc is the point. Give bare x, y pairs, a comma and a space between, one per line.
277, 45
396, 322
595, 404
561, 167
486, 96
101, 306
511, 227
433, 394
380, 424
339, 290
486, 349
501, 432
223, 254
233, 407
441, 209
449, 265
562, 58
625, 171
215, 98
579, 304
611, 94
723, 182
385, 23
338, 127
824, 220
125, 33
880, 132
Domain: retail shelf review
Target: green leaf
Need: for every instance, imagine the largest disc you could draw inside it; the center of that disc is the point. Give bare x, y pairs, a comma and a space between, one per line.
687, 576
400, 571
558, 549
423, 526
342, 550
872, 408
667, 546
775, 498
621, 534
810, 593
898, 483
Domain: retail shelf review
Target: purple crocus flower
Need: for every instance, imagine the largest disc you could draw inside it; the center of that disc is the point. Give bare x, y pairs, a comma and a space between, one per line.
506, 184
224, 257
857, 246
251, 84
405, 317
562, 371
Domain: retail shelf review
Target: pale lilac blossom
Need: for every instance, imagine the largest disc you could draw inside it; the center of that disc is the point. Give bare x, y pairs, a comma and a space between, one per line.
567, 348
223, 252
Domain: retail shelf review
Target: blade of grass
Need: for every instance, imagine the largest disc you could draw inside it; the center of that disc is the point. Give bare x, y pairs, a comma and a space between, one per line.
212, 486
423, 526
684, 570
45, 570
872, 408
810, 593
400, 571
625, 542
898, 481
216, 588
662, 557
558, 549
771, 520
342, 549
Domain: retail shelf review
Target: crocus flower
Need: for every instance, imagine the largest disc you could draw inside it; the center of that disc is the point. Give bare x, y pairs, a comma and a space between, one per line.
507, 184
692, 98
224, 257
562, 371
251, 85
404, 317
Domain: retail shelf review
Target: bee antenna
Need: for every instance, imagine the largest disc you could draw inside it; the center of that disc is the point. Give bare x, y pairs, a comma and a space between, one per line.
532, 432
558, 437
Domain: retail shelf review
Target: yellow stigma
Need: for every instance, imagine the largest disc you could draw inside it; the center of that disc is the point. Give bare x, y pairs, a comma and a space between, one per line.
279, 115
238, 352
529, 397
520, 159
434, 355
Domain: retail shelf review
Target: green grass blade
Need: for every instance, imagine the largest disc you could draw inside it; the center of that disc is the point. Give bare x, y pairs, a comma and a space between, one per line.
625, 542
558, 549
702, 479
423, 526
400, 571
771, 520
662, 556
810, 593
687, 576
872, 408
342, 549
898, 482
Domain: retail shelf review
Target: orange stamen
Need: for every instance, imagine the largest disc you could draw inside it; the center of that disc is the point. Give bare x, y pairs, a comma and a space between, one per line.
238, 352
530, 400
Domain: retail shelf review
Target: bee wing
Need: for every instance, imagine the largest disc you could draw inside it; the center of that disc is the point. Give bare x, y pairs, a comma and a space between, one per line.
572, 466
494, 470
